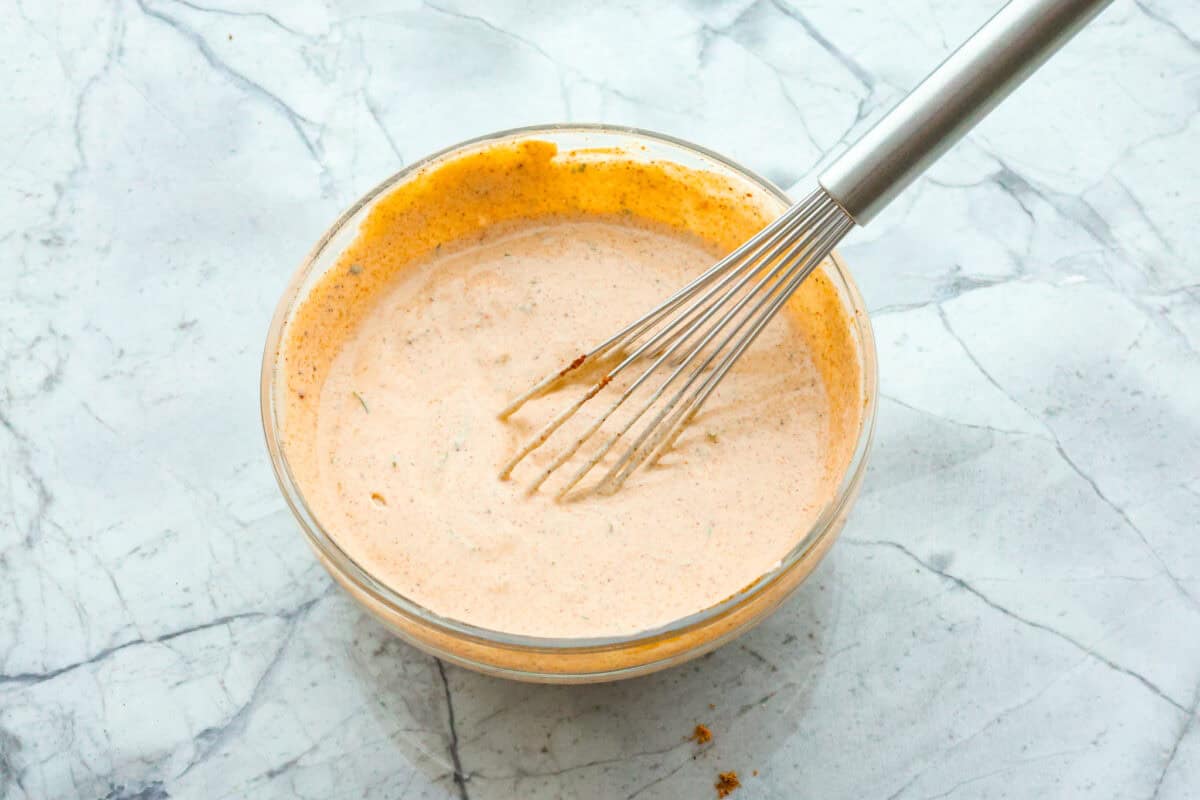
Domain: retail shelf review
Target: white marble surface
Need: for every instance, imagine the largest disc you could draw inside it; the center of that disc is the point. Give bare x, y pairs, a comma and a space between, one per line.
1014, 610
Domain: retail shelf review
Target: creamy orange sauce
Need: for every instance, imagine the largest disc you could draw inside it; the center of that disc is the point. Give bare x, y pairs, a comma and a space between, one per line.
471, 282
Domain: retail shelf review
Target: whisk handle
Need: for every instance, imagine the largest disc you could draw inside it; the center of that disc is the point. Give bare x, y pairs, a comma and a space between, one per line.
948, 103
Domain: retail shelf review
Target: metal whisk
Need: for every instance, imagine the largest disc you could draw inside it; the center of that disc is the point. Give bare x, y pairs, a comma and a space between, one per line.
695, 336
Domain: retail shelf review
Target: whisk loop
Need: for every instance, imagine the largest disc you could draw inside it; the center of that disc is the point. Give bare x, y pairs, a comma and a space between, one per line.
692, 338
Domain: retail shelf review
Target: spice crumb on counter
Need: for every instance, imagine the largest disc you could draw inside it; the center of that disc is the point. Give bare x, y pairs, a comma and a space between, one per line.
726, 783
701, 735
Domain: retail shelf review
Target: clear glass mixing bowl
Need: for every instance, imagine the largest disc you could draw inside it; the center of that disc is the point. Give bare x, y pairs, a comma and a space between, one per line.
576, 660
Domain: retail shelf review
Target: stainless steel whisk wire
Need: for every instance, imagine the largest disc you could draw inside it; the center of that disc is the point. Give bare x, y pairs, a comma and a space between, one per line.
860, 183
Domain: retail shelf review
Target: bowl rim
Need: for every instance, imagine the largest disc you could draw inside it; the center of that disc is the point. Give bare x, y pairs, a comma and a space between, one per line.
334, 556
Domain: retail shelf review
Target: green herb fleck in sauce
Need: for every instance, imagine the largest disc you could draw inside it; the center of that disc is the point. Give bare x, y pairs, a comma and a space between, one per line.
359, 397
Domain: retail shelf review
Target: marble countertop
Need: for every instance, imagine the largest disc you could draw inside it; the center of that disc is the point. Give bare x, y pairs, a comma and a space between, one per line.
1013, 611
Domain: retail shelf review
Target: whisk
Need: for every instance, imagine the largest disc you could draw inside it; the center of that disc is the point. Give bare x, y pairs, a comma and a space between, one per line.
693, 338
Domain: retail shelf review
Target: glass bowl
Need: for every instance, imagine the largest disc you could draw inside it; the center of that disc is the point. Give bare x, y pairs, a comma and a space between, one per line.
570, 660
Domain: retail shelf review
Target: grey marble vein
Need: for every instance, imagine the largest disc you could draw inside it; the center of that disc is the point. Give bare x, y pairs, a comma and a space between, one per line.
962, 584
1014, 610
